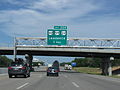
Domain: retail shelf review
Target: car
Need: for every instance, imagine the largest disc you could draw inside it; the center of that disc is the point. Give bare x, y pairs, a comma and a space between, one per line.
52, 71
18, 68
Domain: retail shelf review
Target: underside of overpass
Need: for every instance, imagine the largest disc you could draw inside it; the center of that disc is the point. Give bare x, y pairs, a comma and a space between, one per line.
104, 54
60, 53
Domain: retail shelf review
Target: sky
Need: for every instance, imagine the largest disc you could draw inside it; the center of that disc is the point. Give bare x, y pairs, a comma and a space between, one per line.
84, 18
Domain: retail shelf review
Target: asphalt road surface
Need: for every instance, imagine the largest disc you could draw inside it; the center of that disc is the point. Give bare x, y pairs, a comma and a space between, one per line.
67, 80
3, 70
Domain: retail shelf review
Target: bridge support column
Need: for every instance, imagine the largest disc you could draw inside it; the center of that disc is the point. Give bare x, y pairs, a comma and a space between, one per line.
110, 65
29, 59
110, 68
107, 66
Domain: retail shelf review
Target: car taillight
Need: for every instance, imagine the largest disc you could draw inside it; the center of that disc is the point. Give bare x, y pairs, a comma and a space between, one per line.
23, 68
9, 67
56, 71
48, 70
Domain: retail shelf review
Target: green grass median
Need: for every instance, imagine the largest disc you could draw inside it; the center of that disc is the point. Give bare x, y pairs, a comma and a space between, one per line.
94, 71
88, 70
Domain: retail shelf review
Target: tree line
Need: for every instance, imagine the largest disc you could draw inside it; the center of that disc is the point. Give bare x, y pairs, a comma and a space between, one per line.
90, 62
4, 61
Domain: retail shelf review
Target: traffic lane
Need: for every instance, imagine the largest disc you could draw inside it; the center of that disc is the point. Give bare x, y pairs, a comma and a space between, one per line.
66, 81
7, 83
3, 70
53, 83
88, 82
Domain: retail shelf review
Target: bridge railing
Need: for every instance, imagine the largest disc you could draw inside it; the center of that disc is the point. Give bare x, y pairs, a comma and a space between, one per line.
82, 42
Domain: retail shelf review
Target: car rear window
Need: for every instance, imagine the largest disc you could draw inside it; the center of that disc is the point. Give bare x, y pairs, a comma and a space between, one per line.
17, 64
52, 68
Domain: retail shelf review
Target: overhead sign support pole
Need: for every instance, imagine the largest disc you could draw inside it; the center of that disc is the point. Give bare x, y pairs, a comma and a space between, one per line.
15, 48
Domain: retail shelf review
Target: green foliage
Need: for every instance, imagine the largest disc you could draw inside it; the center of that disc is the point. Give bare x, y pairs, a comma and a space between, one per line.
88, 62
4, 61
36, 63
116, 62
63, 64
93, 62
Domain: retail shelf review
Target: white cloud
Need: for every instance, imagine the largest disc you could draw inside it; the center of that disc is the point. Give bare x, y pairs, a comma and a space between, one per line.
64, 8
44, 14
104, 27
31, 22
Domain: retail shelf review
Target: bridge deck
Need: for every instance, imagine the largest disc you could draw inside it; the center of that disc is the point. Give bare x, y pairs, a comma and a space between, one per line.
62, 51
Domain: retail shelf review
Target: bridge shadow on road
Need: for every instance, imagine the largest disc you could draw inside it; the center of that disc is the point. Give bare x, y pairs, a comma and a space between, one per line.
116, 72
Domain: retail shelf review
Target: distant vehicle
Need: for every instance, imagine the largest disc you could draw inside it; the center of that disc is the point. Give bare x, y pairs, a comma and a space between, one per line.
67, 67
56, 65
18, 68
70, 67
49, 65
52, 71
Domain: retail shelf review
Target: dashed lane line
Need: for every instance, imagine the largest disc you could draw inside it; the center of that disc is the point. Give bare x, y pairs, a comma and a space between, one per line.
22, 86
75, 84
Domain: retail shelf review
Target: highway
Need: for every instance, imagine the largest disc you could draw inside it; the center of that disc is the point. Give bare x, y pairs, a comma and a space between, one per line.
67, 80
3, 70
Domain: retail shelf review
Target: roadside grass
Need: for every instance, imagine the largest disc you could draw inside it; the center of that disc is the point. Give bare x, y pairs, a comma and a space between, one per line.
115, 76
88, 70
94, 71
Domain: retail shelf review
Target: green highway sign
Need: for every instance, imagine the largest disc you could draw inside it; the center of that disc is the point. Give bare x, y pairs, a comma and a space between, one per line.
56, 37
60, 27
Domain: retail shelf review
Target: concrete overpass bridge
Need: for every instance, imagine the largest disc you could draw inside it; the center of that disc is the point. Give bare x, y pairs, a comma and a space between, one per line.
69, 51
76, 47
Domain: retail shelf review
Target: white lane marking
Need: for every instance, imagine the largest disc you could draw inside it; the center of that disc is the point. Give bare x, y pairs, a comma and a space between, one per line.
65, 76
75, 84
22, 86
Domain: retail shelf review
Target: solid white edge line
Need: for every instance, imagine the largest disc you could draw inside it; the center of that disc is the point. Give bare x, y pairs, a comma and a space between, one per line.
75, 84
22, 86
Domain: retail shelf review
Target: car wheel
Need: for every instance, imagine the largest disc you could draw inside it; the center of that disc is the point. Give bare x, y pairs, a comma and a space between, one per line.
47, 74
57, 74
10, 76
29, 75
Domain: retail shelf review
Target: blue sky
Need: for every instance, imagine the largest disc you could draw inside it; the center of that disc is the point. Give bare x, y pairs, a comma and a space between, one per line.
84, 18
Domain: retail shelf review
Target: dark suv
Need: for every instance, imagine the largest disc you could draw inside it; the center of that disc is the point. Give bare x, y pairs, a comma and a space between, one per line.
52, 71
18, 68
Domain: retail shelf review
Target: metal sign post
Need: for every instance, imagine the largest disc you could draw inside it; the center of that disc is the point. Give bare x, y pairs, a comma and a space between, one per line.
15, 49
